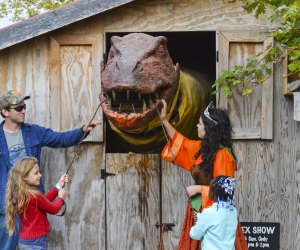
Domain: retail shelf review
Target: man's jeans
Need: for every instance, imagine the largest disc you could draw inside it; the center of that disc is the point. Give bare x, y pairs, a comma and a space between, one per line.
8, 242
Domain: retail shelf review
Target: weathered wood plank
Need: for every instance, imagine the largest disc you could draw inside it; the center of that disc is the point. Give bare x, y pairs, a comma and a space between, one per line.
252, 116
83, 226
133, 201
24, 68
3, 70
268, 174
287, 162
174, 15
268, 171
174, 201
75, 80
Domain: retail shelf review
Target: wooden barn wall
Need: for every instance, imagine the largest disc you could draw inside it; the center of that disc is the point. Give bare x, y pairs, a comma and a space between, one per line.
83, 226
268, 170
63, 103
186, 15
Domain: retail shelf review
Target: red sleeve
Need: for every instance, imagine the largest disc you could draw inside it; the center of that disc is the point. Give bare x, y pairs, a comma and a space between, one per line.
52, 193
49, 207
182, 149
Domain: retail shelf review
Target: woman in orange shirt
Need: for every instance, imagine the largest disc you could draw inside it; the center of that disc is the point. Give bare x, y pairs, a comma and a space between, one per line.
206, 158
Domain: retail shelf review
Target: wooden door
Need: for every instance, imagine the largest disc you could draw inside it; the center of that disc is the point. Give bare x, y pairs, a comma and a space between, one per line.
74, 89
132, 201
174, 201
251, 116
75, 81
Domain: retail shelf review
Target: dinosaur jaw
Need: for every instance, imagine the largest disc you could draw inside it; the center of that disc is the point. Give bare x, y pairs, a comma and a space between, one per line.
130, 109
131, 121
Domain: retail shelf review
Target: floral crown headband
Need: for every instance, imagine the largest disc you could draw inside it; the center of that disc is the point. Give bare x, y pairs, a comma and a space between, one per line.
227, 184
207, 114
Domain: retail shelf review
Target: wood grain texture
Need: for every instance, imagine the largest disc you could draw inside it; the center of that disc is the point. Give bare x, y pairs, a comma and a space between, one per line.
268, 171
84, 222
26, 69
133, 201
252, 116
75, 81
174, 201
174, 15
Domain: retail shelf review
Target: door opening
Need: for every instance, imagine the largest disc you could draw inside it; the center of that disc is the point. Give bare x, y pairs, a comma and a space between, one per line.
191, 50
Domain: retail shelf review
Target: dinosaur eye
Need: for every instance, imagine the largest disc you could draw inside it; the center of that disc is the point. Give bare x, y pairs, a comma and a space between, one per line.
111, 55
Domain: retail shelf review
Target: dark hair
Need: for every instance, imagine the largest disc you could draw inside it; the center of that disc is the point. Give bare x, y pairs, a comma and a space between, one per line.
217, 135
217, 192
3, 116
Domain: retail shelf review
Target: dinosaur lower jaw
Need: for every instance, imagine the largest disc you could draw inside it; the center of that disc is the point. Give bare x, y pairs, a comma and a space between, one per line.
125, 120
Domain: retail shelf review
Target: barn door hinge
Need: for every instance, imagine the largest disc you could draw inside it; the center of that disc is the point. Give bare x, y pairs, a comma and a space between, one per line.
105, 174
167, 225
217, 56
104, 58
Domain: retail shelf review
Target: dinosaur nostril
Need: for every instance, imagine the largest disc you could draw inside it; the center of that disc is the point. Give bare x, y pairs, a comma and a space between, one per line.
138, 67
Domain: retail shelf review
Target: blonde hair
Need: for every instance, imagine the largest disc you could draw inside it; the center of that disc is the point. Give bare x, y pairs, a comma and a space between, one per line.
18, 190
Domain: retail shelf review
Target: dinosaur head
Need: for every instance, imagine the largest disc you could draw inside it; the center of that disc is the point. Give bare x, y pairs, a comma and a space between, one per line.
139, 73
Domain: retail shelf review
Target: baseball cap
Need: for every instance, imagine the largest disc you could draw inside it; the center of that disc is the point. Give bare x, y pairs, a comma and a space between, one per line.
11, 97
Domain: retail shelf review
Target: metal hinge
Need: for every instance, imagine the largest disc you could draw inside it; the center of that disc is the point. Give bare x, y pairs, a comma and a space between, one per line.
168, 225
104, 58
217, 56
105, 174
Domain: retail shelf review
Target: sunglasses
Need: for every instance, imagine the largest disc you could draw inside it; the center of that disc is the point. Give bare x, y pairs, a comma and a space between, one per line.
19, 108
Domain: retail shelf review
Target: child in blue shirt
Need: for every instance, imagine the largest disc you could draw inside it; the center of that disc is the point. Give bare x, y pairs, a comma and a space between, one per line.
216, 225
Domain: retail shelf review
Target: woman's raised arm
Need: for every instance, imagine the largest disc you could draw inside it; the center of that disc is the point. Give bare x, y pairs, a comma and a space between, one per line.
168, 127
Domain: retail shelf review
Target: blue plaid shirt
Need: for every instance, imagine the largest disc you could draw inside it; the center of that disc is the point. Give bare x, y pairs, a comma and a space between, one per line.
35, 137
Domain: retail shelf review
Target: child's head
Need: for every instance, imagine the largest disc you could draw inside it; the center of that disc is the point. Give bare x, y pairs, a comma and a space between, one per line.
23, 176
221, 189
26, 172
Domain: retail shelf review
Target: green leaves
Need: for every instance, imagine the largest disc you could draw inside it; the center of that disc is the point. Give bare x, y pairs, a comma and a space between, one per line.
286, 15
18, 10
246, 77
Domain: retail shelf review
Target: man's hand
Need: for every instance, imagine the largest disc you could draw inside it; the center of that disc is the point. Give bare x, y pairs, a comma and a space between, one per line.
89, 127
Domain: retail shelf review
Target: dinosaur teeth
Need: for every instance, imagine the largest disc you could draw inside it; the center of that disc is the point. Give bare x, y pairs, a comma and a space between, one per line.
108, 100
130, 101
150, 101
127, 94
144, 106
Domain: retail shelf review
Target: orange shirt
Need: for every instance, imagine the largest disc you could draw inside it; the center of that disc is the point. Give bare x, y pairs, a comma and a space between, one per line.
184, 150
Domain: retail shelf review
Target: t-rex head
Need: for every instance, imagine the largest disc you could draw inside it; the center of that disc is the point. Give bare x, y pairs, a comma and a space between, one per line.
139, 73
